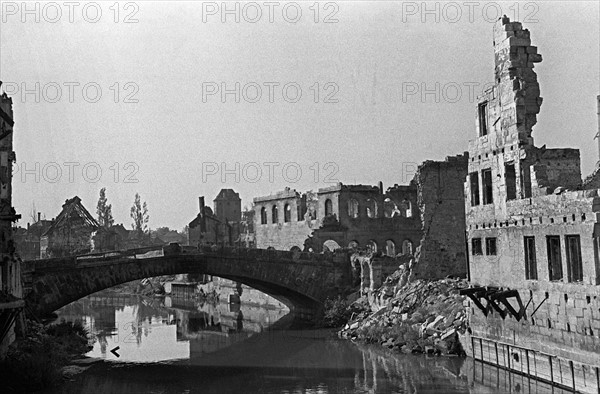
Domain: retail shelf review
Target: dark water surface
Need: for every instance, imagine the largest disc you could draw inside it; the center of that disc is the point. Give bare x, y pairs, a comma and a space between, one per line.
169, 346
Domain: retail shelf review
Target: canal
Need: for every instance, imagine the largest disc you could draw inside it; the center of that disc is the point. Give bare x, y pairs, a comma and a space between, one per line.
168, 345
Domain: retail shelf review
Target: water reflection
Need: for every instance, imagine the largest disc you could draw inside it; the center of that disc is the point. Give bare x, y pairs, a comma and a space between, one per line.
223, 349
153, 330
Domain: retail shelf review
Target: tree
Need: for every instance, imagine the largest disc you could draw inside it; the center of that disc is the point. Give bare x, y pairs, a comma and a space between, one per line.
139, 214
104, 210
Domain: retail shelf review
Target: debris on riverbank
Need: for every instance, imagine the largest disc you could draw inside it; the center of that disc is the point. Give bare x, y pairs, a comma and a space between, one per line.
40, 358
416, 317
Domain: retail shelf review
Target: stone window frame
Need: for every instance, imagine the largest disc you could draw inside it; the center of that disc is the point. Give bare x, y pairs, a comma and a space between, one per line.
287, 213
476, 246
387, 247
482, 115
531, 270
491, 246
274, 214
328, 207
371, 208
263, 216
570, 263
353, 208
488, 194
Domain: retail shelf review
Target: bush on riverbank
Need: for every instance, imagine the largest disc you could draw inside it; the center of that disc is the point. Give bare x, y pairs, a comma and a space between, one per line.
336, 313
35, 361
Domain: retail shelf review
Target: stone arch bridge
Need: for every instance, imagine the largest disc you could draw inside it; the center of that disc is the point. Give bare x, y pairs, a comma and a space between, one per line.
303, 281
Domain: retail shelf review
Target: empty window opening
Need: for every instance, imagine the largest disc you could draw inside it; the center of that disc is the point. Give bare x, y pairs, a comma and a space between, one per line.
353, 208
407, 247
372, 246
390, 209
474, 178
263, 215
371, 208
483, 112
530, 259
554, 257
488, 191
477, 250
287, 213
406, 208
490, 246
328, 207
564, 219
274, 214
573, 217
574, 263
390, 248
511, 182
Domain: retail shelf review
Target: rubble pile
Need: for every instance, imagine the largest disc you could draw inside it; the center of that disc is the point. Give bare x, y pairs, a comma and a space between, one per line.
417, 317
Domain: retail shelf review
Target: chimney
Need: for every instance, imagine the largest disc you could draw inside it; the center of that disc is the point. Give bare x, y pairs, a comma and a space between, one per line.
380, 187
28, 225
202, 216
39, 216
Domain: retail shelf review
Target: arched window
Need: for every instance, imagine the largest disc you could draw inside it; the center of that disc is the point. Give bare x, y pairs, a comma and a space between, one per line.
406, 208
372, 246
353, 208
263, 215
328, 207
274, 214
330, 245
287, 213
371, 208
389, 208
353, 245
390, 248
407, 247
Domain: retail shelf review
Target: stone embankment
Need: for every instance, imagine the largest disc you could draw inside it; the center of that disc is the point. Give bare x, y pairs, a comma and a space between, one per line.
415, 317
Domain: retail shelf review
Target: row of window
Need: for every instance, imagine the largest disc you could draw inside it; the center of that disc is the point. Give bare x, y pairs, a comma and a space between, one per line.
389, 206
553, 247
510, 175
490, 247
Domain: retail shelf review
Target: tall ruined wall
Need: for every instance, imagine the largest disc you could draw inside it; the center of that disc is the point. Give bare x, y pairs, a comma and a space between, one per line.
441, 202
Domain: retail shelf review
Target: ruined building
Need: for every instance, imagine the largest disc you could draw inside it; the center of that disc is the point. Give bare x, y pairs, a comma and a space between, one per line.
533, 234
424, 220
227, 225
71, 233
11, 291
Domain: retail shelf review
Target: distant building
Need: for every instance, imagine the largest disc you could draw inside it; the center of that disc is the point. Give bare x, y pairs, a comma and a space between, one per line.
208, 229
71, 233
11, 291
28, 240
228, 206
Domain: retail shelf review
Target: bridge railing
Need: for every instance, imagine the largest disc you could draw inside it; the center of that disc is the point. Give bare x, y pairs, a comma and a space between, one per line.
249, 254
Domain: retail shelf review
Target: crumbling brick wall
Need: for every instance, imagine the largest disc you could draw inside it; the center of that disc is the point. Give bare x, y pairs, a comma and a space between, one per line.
441, 251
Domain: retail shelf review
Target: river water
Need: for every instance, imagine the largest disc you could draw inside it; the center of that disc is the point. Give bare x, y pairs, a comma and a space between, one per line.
183, 346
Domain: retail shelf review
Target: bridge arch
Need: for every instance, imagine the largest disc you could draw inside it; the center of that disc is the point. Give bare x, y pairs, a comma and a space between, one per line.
302, 281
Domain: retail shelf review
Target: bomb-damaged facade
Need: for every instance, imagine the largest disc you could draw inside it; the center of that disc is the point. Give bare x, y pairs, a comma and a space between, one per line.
423, 220
533, 234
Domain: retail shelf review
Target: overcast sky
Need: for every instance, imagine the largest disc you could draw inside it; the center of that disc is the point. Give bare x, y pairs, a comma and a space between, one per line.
361, 117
